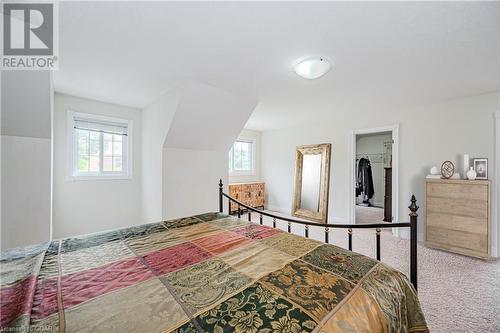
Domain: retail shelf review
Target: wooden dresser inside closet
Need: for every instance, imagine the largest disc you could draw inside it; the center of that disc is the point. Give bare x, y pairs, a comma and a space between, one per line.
388, 194
251, 194
457, 216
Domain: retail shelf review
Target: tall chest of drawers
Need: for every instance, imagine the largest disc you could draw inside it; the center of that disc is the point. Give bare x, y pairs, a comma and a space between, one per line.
388, 195
251, 194
457, 216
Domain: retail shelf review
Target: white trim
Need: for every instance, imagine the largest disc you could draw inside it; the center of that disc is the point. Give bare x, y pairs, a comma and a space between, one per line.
394, 129
253, 172
72, 175
52, 97
495, 249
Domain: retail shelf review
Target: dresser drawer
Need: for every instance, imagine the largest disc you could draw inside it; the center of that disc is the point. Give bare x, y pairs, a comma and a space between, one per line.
458, 206
457, 222
466, 241
458, 191
246, 194
234, 192
258, 194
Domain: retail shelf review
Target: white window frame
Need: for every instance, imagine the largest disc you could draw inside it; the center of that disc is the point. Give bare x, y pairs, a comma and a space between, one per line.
73, 174
241, 172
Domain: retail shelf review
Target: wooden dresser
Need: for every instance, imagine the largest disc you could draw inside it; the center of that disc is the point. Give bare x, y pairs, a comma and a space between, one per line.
388, 195
251, 194
457, 216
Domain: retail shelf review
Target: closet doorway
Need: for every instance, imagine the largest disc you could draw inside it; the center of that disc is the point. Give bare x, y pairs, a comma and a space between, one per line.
374, 176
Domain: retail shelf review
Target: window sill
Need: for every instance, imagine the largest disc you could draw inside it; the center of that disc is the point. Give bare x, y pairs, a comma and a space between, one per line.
242, 173
98, 178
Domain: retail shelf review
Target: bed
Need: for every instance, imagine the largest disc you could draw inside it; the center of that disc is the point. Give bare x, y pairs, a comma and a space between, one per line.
204, 273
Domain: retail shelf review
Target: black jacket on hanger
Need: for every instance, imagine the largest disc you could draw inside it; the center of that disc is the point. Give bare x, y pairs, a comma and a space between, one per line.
365, 178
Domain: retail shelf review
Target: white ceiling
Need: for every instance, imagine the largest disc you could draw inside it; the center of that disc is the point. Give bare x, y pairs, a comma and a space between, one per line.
384, 54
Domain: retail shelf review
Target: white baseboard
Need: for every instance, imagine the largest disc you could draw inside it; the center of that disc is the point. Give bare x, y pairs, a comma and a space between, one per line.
404, 233
288, 211
279, 209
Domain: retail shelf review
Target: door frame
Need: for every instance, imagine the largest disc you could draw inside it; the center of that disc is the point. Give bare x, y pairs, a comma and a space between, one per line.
394, 129
495, 249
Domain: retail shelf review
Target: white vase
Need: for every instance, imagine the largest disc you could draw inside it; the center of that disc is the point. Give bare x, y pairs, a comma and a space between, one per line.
466, 165
471, 174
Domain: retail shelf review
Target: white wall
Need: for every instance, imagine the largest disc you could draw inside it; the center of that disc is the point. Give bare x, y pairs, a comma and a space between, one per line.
156, 121
254, 135
87, 206
190, 181
26, 103
25, 190
374, 144
26, 157
429, 135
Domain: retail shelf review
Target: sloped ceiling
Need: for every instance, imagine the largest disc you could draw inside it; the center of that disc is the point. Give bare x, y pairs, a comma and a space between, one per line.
207, 118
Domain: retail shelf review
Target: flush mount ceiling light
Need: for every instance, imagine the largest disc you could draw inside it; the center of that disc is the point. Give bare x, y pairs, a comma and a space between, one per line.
312, 68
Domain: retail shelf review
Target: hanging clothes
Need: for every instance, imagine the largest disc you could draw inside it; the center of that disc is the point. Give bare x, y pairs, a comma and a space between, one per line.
365, 179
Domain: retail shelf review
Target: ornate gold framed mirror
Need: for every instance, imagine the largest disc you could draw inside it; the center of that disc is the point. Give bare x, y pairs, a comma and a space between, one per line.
312, 180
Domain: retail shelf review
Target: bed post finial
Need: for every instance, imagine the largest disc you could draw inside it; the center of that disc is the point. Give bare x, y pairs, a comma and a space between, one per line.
413, 207
220, 196
413, 241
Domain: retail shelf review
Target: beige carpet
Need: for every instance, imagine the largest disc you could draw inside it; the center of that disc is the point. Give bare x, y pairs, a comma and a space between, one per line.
366, 215
457, 293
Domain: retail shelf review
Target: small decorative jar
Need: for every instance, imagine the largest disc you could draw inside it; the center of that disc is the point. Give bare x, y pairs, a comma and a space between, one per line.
471, 174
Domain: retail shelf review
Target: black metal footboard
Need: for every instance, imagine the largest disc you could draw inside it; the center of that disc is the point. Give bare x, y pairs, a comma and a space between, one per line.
377, 226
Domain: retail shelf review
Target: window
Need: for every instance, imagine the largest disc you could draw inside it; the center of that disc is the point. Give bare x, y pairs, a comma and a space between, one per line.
241, 157
100, 146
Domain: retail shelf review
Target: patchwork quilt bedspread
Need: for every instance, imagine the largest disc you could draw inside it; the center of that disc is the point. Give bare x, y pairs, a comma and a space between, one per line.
205, 273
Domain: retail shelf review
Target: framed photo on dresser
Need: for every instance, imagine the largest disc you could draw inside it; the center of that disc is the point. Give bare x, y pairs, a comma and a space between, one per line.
481, 168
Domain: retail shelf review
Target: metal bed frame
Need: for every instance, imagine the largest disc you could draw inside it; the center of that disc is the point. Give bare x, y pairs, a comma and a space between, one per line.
377, 226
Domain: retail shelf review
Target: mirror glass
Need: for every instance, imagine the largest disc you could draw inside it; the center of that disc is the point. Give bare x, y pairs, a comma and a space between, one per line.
311, 182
